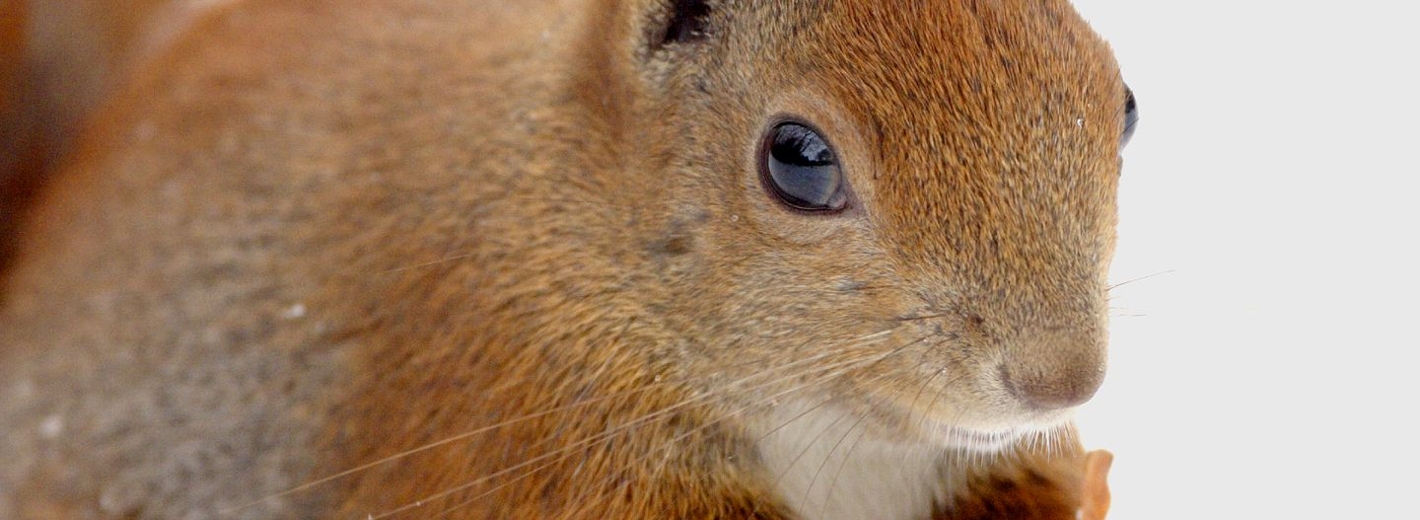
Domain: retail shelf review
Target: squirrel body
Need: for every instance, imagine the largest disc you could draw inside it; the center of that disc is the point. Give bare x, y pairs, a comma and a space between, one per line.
498, 259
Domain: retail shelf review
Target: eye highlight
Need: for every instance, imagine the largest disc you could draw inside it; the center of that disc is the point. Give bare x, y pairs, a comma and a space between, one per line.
800, 168
1131, 117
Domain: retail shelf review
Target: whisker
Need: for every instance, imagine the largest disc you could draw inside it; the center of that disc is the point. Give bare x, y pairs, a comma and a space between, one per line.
606, 436
807, 446
925, 384
735, 412
920, 317
535, 415
809, 490
813, 441
430, 263
846, 457
806, 412
426, 447
1145, 277
800, 388
666, 458
566, 452
833, 483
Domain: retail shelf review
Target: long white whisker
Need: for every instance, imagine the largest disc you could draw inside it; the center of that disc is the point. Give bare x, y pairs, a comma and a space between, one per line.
846, 457
809, 490
867, 359
1145, 277
491, 427
567, 451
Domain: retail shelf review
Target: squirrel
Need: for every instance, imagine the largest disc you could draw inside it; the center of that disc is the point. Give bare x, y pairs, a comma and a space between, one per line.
575, 259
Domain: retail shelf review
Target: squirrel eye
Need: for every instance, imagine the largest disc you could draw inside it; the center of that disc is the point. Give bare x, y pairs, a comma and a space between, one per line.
1131, 116
799, 167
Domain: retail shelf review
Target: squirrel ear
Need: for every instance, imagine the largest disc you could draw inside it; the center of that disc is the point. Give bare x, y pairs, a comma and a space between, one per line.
687, 21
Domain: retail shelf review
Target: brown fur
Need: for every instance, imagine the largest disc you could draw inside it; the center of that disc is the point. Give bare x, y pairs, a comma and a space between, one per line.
318, 234
16, 130
58, 62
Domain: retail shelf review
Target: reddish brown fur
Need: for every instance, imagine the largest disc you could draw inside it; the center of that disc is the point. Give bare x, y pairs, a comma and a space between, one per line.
317, 234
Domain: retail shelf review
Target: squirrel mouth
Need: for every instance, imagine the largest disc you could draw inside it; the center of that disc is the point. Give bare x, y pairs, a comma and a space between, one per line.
979, 441
994, 441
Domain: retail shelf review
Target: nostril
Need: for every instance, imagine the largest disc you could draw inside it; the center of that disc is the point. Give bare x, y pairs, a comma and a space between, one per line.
1052, 390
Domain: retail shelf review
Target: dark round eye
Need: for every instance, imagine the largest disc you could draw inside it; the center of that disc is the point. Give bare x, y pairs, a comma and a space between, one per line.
800, 168
1131, 116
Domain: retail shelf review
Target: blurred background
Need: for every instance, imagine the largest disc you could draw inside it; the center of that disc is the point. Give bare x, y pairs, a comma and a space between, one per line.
1263, 340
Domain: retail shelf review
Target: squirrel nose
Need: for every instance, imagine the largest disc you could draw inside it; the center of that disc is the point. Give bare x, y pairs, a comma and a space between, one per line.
1054, 379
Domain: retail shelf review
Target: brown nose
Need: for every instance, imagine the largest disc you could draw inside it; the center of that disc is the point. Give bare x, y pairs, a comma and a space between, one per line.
1051, 378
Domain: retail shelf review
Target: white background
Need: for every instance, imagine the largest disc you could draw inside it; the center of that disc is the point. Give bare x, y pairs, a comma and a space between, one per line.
1270, 373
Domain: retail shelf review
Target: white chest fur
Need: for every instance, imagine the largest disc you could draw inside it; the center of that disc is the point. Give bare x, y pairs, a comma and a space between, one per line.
827, 469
